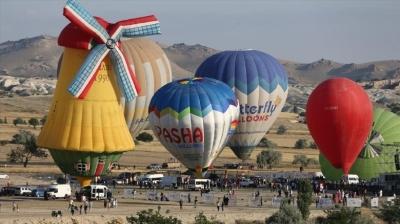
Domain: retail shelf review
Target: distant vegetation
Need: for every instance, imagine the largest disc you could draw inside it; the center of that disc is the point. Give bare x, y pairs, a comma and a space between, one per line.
269, 158
301, 144
395, 108
281, 130
266, 143
18, 121
34, 122
3, 121
26, 150
304, 161
145, 137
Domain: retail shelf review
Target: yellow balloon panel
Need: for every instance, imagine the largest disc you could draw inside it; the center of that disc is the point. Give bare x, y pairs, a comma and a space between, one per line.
93, 124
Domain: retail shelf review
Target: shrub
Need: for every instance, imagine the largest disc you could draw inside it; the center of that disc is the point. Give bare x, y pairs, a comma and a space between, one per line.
304, 198
151, 217
390, 212
344, 215
301, 144
265, 143
202, 219
312, 145
287, 214
281, 130
145, 137
269, 158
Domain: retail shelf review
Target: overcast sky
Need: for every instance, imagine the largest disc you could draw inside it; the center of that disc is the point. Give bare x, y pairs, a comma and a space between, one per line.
299, 30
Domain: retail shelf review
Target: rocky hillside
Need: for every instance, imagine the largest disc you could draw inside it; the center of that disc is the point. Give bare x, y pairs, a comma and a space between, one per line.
38, 57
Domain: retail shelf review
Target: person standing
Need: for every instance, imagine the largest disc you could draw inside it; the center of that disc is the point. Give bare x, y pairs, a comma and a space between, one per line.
195, 201
218, 204
180, 204
14, 206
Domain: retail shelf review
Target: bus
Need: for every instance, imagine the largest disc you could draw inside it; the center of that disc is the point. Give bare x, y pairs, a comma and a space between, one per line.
199, 184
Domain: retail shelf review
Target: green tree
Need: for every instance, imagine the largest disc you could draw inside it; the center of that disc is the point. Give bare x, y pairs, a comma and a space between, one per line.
390, 212
1, 121
202, 219
26, 150
344, 216
151, 217
281, 130
287, 214
34, 122
17, 121
145, 137
304, 198
301, 144
266, 143
269, 158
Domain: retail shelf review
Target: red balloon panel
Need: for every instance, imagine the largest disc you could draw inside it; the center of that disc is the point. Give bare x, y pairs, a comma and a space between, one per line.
339, 117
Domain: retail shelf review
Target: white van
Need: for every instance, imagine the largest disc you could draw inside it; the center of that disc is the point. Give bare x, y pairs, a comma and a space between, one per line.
199, 184
23, 190
59, 191
351, 179
96, 191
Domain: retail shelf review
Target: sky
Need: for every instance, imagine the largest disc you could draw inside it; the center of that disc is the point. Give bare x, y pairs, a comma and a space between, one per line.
298, 30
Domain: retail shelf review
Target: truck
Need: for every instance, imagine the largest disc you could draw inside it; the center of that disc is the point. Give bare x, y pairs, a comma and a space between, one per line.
58, 191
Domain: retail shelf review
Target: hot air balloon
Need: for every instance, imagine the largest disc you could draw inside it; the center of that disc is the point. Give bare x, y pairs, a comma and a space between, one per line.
260, 83
339, 117
193, 119
153, 70
379, 152
85, 131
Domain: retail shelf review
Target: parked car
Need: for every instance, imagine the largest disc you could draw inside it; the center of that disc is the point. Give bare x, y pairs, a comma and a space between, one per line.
154, 166
23, 190
246, 183
38, 192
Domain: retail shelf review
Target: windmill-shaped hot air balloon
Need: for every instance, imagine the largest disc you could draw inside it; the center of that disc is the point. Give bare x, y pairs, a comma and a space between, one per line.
85, 131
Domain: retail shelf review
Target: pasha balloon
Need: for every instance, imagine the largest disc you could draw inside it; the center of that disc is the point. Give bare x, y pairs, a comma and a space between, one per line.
379, 154
85, 130
339, 117
153, 70
260, 83
193, 119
